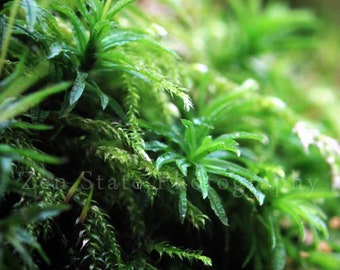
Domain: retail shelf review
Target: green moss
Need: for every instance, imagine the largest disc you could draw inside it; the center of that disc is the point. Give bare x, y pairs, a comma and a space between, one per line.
180, 134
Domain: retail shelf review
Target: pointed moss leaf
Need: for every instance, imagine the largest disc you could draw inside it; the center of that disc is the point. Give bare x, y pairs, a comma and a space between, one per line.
183, 204
25, 125
2, 33
66, 108
209, 146
173, 251
111, 63
250, 253
195, 132
203, 180
183, 165
314, 216
29, 101
155, 146
215, 165
166, 158
244, 182
78, 87
217, 207
73, 188
202, 129
33, 213
117, 7
120, 37
100, 30
104, 100
78, 27
163, 130
5, 170
302, 212
190, 134
19, 153
51, 23
219, 107
278, 257
55, 49
39, 213
11, 79
117, 107
86, 208
244, 135
290, 208
219, 166
31, 8
16, 83
27, 238
271, 229
81, 5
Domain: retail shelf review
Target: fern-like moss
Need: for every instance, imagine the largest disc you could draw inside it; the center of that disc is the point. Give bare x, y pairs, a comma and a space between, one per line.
163, 135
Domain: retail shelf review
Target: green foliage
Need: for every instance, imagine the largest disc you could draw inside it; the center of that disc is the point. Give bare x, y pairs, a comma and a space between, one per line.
125, 127
198, 150
14, 234
165, 248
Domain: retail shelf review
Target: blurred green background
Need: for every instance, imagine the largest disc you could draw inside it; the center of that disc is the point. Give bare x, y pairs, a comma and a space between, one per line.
329, 9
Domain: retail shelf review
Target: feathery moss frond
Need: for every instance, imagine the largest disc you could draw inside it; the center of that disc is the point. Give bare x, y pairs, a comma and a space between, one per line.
172, 251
